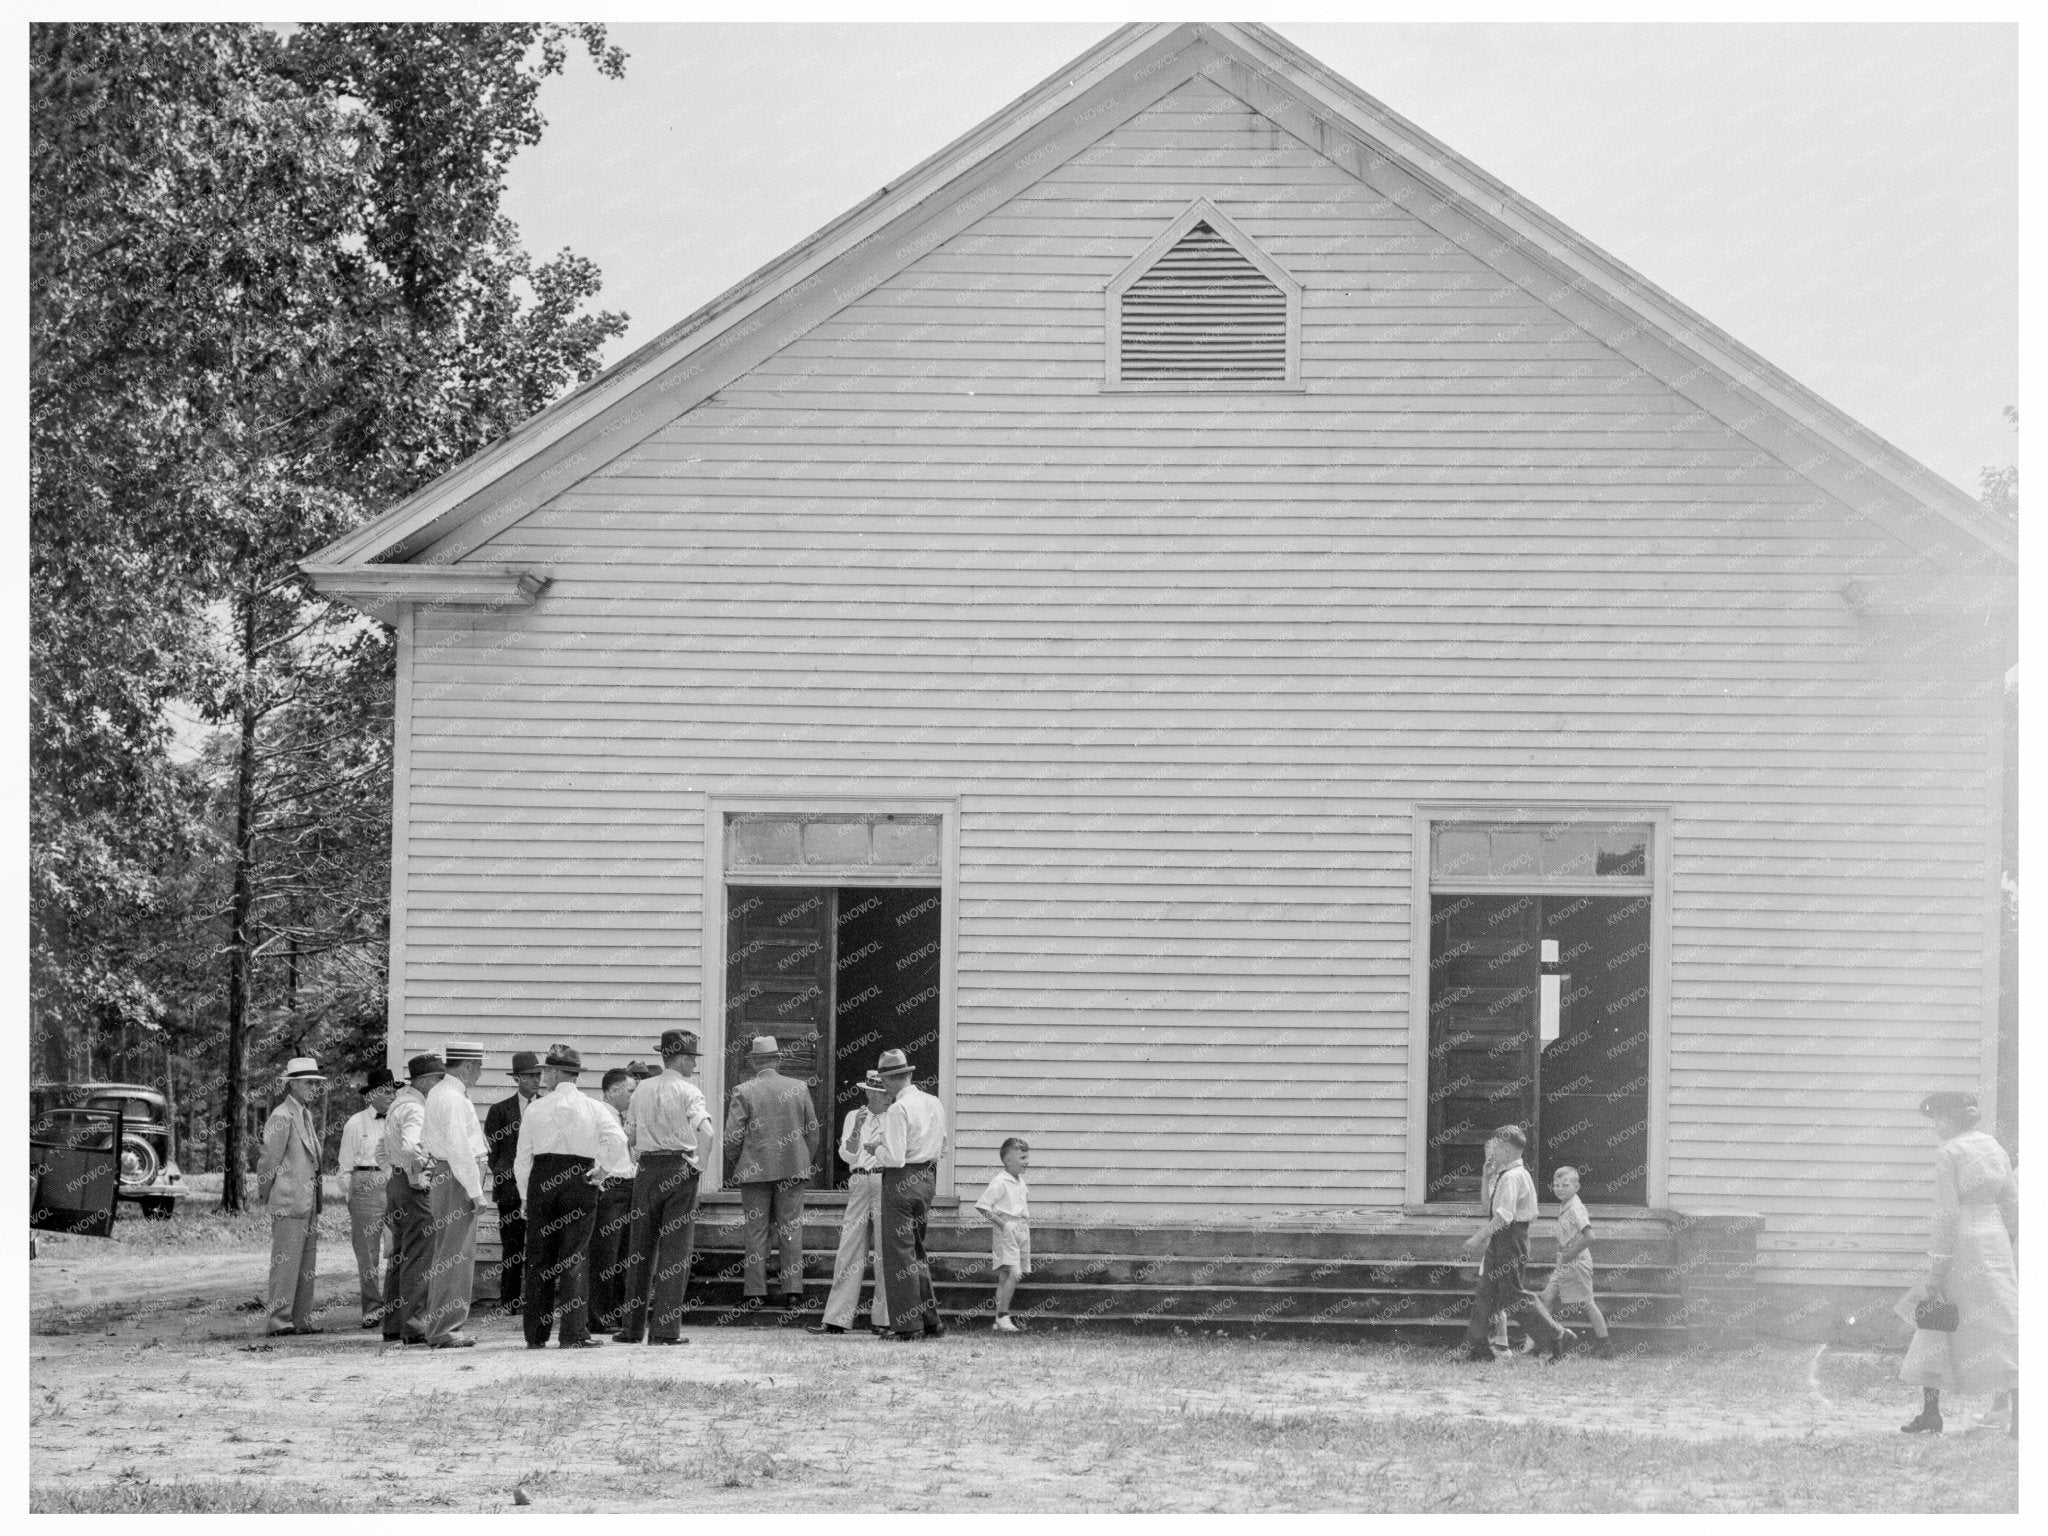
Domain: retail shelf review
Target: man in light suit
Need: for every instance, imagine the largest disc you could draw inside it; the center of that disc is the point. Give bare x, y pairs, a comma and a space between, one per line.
861, 1229
288, 1184
771, 1146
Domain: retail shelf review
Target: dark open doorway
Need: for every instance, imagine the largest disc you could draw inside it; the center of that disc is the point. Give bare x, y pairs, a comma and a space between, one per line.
838, 975
1572, 1072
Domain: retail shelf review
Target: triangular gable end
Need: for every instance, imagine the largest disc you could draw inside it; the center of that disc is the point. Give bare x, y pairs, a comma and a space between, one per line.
1122, 77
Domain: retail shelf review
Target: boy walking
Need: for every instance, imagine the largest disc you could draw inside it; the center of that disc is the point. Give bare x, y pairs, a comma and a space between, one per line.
1505, 1239
1571, 1280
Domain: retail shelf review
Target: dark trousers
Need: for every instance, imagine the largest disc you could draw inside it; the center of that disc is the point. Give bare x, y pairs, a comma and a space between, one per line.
611, 1236
664, 1228
511, 1239
778, 1206
405, 1259
906, 1273
1500, 1290
561, 1204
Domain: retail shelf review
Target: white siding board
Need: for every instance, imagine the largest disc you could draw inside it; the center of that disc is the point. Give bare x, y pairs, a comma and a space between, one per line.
1189, 663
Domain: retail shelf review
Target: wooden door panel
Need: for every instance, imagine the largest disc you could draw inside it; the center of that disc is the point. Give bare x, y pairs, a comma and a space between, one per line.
779, 982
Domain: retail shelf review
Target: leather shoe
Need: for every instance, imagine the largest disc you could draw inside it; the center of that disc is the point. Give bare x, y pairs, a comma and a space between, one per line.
627, 1338
824, 1328
592, 1343
668, 1341
453, 1341
1924, 1423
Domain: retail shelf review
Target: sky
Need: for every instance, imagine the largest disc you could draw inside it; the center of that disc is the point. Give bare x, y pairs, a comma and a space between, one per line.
1841, 199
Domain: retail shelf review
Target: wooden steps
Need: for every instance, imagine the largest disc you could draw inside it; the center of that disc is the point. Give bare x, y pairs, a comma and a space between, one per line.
1398, 1278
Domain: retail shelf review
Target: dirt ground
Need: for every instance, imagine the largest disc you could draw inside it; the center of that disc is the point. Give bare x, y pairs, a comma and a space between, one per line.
150, 1388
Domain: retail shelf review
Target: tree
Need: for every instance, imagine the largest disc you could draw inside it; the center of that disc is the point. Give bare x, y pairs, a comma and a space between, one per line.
348, 314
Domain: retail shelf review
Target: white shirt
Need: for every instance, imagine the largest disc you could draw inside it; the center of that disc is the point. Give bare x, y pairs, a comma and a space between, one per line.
621, 1167
566, 1123
1514, 1195
403, 1123
859, 1139
1005, 1202
913, 1130
454, 1134
668, 1114
362, 1142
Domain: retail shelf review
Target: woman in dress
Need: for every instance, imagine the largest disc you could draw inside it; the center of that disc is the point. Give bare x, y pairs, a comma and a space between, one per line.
1970, 1262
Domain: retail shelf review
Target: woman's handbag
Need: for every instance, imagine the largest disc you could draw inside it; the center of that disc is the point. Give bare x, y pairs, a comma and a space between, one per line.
1936, 1315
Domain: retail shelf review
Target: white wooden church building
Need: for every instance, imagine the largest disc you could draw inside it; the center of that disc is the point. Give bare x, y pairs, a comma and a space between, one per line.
1254, 655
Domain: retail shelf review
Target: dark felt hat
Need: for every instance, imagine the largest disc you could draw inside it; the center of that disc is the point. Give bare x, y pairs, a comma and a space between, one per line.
377, 1077
524, 1062
425, 1065
893, 1064
645, 1069
564, 1058
678, 1042
1951, 1104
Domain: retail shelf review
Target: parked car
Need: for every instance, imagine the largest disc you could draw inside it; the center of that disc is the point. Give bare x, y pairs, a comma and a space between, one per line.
149, 1167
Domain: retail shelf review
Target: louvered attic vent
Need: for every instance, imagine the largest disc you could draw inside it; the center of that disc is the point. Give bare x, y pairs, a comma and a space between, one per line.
1201, 311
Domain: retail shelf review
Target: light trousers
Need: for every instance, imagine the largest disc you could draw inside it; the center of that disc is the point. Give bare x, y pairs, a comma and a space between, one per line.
860, 1232
451, 1248
294, 1251
776, 1209
366, 1225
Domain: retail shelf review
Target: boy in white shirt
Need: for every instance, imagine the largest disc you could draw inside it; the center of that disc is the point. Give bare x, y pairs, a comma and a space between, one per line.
1571, 1280
1007, 1206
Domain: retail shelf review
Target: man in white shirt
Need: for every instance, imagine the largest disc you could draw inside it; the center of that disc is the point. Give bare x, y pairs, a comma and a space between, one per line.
366, 1174
861, 1228
564, 1138
458, 1169
913, 1134
669, 1128
405, 1203
611, 1230
1511, 1206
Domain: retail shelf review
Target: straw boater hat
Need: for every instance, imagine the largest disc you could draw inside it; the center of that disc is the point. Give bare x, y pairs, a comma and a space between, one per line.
874, 1082
303, 1069
764, 1049
463, 1050
893, 1064
565, 1060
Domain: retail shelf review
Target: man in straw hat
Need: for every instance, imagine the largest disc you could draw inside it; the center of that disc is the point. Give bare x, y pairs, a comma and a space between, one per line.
288, 1184
913, 1136
564, 1137
860, 1143
367, 1172
405, 1203
458, 1163
670, 1131
771, 1147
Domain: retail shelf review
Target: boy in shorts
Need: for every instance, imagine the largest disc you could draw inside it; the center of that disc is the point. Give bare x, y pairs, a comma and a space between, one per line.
1571, 1280
1008, 1209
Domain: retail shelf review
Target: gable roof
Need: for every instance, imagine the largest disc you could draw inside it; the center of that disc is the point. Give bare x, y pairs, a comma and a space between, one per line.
1119, 77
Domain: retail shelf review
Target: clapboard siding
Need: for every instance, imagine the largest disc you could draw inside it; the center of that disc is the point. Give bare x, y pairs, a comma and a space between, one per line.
1189, 662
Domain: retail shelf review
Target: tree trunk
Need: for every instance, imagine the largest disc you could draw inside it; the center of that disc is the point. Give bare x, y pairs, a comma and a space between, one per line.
239, 908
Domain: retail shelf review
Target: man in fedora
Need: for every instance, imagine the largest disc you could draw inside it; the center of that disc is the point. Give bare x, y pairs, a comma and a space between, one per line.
861, 1229
366, 1173
501, 1134
288, 1184
771, 1147
670, 1131
913, 1135
458, 1162
565, 1138
405, 1203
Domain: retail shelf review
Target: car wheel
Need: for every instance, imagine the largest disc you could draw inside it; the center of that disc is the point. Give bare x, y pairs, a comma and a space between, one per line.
139, 1162
159, 1210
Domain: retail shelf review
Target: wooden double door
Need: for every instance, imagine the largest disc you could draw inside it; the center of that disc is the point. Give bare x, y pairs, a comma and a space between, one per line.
1580, 1088
837, 975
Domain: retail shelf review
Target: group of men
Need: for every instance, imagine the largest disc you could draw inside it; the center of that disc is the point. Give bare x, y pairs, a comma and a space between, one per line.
596, 1196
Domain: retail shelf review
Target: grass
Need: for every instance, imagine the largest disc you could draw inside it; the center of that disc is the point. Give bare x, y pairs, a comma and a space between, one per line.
141, 1496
